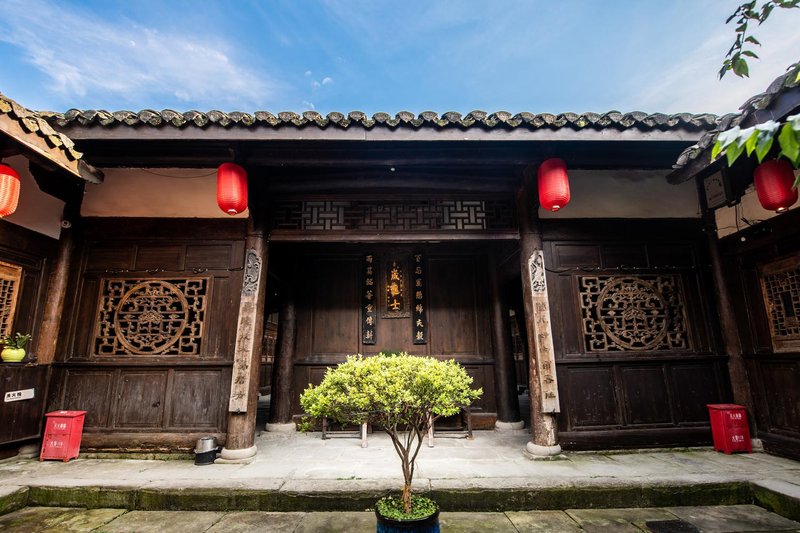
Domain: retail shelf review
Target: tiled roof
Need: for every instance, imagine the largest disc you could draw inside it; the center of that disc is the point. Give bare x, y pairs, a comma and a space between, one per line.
34, 123
474, 119
754, 104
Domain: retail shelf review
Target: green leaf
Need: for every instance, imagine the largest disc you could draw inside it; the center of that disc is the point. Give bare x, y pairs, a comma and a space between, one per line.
740, 68
748, 53
751, 39
750, 143
790, 147
733, 152
763, 144
716, 150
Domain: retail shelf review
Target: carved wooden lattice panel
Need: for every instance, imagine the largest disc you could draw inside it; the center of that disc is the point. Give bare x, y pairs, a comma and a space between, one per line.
151, 316
623, 313
10, 276
459, 215
780, 285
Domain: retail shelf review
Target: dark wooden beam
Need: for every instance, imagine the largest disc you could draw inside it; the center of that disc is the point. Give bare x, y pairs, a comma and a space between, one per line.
386, 237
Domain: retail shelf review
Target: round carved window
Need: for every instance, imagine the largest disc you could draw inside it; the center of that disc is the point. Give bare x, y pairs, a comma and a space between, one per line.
150, 317
633, 313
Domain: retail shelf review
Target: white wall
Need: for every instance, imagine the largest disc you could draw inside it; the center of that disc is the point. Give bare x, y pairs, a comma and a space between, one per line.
626, 194
37, 211
156, 192
729, 219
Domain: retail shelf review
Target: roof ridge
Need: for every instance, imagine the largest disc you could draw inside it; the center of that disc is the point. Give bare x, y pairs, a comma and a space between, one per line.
448, 119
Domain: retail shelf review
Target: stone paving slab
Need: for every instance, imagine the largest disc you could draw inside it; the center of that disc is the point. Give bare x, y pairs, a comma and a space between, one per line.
617, 520
258, 522
337, 523
465, 522
542, 522
734, 519
161, 521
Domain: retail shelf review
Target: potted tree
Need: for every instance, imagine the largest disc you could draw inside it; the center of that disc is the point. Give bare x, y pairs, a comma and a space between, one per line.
14, 347
402, 394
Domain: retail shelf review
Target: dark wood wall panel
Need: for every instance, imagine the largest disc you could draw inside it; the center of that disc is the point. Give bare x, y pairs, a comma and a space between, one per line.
646, 398
774, 376
780, 381
198, 392
140, 400
644, 395
694, 387
91, 391
328, 305
590, 396
164, 396
22, 420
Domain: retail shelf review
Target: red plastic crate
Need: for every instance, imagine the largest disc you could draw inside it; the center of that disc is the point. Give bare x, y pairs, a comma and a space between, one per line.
62, 435
729, 428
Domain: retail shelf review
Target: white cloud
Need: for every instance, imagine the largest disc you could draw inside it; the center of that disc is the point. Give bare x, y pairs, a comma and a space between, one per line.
691, 84
309, 105
86, 56
315, 84
309, 73
327, 80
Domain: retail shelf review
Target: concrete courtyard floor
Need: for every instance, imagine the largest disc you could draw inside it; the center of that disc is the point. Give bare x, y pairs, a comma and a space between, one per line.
306, 478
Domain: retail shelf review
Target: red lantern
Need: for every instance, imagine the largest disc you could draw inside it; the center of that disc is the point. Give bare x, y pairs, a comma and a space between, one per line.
9, 190
553, 184
773, 181
231, 188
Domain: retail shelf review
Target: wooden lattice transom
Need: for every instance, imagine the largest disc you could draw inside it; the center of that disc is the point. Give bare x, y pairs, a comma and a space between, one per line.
780, 284
10, 276
151, 317
633, 313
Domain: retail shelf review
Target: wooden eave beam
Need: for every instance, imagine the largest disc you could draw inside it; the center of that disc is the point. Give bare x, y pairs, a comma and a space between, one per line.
36, 148
289, 236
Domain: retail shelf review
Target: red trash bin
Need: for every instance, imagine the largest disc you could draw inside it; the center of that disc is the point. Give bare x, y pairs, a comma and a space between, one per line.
729, 428
62, 435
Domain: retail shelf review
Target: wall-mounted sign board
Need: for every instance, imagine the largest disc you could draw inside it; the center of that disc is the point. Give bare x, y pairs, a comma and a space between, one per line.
17, 395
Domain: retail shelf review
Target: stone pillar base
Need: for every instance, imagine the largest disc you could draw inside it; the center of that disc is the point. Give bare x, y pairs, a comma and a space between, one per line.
537, 452
241, 456
289, 427
505, 426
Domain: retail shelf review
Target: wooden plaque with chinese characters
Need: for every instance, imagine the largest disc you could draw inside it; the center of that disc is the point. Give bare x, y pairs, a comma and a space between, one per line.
396, 299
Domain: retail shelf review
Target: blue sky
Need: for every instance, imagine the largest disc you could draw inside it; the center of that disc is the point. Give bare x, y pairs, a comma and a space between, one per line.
375, 55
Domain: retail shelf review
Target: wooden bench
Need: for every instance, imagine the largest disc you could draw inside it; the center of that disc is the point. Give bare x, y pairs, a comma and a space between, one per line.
465, 433
328, 433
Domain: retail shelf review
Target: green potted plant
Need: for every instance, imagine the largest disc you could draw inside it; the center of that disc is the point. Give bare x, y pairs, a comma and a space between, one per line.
402, 394
14, 347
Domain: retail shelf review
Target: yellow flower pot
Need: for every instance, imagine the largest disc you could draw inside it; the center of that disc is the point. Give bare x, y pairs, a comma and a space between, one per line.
12, 355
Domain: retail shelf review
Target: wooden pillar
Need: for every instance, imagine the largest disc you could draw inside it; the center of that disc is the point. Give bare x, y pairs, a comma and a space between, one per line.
505, 380
542, 371
240, 442
280, 418
727, 317
53, 312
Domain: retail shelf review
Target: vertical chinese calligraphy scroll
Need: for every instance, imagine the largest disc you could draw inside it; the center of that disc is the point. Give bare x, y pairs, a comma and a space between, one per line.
369, 311
420, 311
545, 357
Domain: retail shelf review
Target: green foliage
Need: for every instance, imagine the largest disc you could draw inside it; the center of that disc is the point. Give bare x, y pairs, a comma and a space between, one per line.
401, 393
744, 14
16, 342
759, 140
390, 390
390, 507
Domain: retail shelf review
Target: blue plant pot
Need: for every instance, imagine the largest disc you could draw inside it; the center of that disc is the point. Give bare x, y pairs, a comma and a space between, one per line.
429, 524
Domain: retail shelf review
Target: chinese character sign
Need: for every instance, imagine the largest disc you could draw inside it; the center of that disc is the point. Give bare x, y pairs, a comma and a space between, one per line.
369, 311
396, 300
419, 317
